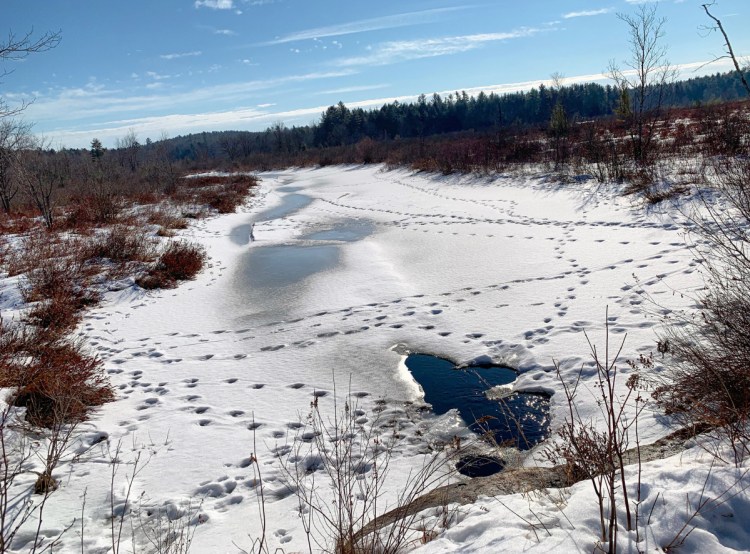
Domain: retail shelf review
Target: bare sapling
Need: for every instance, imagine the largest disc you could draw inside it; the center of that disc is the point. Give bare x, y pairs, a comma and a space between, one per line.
598, 450
338, 468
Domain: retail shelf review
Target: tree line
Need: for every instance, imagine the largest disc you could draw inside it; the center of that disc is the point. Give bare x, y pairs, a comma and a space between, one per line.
340, 125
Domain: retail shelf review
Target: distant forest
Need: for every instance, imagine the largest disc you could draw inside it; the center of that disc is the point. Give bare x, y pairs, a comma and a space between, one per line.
436, 115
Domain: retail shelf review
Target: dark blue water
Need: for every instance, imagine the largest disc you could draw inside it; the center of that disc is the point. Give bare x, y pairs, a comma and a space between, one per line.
520, 419
479, 466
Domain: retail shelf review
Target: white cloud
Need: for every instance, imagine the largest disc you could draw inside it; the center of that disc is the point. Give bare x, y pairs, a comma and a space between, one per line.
398, 51
364, 25
215, 4
586, 13
94, 101
345, 90
225, 32
157, 76
180, 55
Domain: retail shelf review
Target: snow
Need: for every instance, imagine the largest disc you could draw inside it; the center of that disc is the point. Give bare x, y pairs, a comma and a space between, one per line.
510, 269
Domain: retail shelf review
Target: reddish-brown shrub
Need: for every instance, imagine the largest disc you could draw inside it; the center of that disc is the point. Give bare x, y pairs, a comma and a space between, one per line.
121, 244
55, 380
221, 193
166, 218
210, 180
17, 224
56, 315
178, 262
59, 272
56, 280
92, 210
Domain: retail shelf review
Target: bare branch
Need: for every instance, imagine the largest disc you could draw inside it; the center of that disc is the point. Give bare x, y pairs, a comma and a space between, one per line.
17, 48
730, 51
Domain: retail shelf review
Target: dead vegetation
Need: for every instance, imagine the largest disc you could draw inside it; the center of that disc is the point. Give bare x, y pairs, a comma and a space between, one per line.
63, 263
178, 261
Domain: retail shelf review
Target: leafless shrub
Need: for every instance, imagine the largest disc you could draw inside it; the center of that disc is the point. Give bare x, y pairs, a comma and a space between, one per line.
223, 193
23, 447
707, 383
598, 453
354, 458
56, 280
154, 529
166, 218
55, 379
338, 469
122, 244
725, 130
179, 261
90, 210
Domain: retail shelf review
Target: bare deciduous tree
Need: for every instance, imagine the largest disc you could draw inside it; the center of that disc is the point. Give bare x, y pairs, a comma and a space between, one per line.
128, 147
646, 80
15, 136
43, 173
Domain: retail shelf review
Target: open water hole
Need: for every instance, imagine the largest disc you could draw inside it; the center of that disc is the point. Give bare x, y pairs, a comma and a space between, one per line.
519, 419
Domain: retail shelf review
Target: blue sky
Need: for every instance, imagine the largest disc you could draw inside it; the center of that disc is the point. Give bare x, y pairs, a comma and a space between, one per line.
179, 66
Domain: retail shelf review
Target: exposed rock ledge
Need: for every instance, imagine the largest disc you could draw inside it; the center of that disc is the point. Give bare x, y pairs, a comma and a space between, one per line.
520, 480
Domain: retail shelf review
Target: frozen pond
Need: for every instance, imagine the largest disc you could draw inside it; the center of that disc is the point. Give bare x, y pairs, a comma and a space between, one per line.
347, 263
290, 204
346, 231
277, 267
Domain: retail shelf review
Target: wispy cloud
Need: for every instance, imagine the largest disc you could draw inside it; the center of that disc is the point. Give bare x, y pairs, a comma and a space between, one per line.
586, 13
391, 52
93, 101
180, 55
225, 32
365, 25
215, 4
345, 90
157, 76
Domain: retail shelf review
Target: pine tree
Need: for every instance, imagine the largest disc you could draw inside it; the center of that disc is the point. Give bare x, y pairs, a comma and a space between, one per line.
97, 150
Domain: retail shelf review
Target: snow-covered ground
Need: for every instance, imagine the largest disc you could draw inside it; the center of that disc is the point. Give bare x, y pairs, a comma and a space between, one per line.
348, 262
